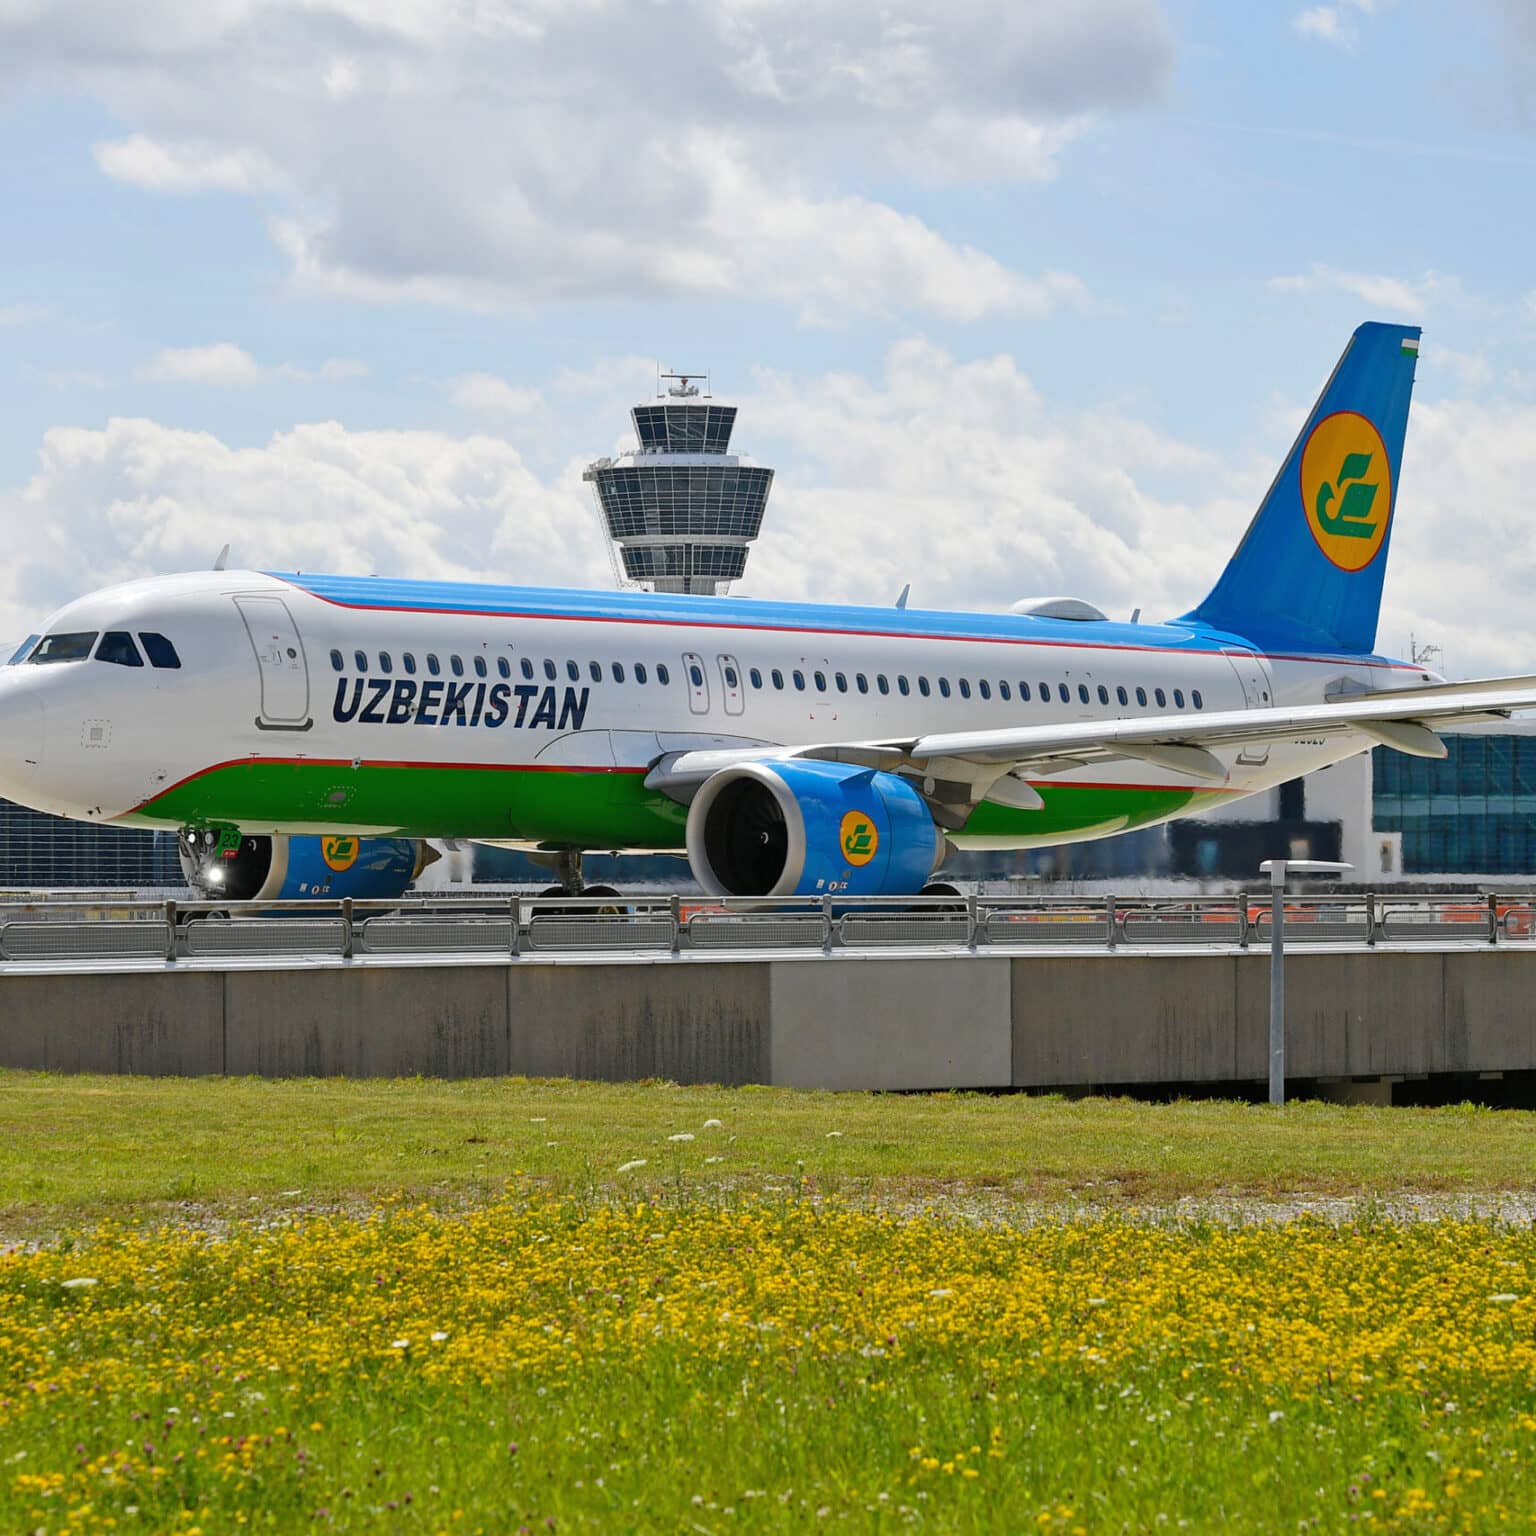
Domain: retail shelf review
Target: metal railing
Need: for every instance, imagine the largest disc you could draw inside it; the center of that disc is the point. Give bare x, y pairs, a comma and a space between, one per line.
129, 930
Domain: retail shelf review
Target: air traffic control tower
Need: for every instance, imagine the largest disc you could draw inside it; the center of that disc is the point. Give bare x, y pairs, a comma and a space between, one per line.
681, 510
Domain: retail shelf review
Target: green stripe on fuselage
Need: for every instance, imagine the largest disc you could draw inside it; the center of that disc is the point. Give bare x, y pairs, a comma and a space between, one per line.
579, 807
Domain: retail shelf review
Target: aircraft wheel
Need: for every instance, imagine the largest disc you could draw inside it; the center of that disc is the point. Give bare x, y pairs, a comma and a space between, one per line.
941, 888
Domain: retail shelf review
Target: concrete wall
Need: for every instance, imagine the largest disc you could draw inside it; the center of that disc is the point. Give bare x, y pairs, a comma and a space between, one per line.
854, 1021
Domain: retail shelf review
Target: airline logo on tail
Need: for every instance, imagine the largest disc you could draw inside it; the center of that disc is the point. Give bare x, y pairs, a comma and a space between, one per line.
859, 838
1346, 489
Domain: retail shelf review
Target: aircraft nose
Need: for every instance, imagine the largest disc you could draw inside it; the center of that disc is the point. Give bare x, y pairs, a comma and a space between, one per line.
21, 741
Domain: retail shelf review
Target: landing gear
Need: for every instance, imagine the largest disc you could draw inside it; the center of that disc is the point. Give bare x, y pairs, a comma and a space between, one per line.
567, 863
942, 888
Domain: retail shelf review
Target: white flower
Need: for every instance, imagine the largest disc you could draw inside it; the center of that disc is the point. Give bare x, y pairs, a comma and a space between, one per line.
833, 1134
537, 1119
1275, 1415
941, 1292
439, 1336
1504, 1296
681, 1136
631, 1165
400, 1344
711, 1125
79, 1283
714, 1159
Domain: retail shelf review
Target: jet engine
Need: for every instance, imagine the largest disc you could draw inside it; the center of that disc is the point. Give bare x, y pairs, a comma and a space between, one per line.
800, 827
226, 866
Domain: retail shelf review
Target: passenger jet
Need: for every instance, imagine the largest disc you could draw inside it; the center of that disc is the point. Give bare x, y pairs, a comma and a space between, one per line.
788, 749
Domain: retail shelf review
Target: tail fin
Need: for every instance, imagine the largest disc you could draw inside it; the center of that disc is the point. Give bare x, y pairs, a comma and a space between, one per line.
1308, 573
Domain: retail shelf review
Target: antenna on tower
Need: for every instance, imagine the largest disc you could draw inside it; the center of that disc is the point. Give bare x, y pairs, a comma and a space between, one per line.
1429, 656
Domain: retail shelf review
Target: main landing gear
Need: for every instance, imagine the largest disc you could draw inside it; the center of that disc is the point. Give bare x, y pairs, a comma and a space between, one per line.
566, 862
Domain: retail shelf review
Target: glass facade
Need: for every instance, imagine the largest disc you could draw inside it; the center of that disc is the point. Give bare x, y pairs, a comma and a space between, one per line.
656, 499
1472, 812
669, 428
41, 850
662, 562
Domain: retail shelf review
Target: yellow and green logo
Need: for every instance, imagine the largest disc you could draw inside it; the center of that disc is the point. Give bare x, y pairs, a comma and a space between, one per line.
859, 838
1346, 489
339, 853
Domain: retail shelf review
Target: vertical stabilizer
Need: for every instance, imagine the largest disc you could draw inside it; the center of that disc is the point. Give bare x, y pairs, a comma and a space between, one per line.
1308, 573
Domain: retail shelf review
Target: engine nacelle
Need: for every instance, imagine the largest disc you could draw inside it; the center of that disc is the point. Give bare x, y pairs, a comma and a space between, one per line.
799, 827
221, 866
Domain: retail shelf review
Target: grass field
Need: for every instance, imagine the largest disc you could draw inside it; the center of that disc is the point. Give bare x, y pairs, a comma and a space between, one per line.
396, 1307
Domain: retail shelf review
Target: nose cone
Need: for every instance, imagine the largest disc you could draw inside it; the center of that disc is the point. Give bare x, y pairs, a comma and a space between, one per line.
21, 743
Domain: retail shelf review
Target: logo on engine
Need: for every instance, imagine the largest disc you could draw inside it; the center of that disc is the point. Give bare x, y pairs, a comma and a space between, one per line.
1346, 489
339, 853
859, 838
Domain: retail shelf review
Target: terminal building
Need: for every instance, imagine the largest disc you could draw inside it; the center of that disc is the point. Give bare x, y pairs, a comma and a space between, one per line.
680, 510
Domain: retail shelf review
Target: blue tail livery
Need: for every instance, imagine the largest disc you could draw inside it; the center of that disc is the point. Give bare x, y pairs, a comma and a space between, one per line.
1308, 573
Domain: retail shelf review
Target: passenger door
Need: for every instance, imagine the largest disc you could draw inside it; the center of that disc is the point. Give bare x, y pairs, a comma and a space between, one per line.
279, 662
1256, 695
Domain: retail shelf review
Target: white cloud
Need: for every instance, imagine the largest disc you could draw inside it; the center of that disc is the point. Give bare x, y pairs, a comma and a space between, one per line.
225, 364
953, 474
1334, 24
1395, 295
487, 395
162, 167
222, 364
520, 153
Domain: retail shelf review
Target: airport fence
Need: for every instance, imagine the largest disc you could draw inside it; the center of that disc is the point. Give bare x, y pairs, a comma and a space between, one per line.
104, 928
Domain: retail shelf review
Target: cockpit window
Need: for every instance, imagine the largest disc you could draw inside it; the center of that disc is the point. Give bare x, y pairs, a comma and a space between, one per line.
160, 651
19, 655
71, 647
117, 647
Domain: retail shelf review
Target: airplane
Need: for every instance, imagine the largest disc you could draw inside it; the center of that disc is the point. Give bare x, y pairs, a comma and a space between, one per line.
314, 723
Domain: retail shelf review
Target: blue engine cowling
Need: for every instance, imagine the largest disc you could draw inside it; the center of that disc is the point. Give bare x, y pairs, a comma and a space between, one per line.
799, 827
248, 868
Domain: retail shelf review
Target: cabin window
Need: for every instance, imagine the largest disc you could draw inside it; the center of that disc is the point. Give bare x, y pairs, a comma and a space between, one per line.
944, 687
756, 677
1023, 691
1178, 698
1122, 696
861, 682
985, 688
922, 686
881, 683
337, 664
617, 669
1002, 691
1082, 693
965, 688
640, 673
479, 666
573, 672
527, 668
1045, 693
841, 681
1064, 692
695, 674
503, 666
435, 667
456, 665
731, 680
662, 675
902, 686
1103, 694
386, 662
1161, 697
1141, 697
360, 661
551, 671
595, 671
1195, 699
778, 678
408, 661
117, 647
799, 678
821, 682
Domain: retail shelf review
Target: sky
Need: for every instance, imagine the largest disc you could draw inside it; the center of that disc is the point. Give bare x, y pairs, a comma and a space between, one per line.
1018, 297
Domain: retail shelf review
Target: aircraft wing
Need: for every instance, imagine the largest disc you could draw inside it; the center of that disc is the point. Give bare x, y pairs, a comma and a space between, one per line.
961, 768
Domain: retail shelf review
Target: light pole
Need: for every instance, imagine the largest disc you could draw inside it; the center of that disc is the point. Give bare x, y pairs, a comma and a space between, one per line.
1278, 870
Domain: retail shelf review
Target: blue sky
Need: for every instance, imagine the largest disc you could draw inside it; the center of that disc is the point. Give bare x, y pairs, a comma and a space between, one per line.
1015, 298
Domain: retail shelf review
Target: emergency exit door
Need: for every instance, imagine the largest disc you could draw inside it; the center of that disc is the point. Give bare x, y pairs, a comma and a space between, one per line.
279, 662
